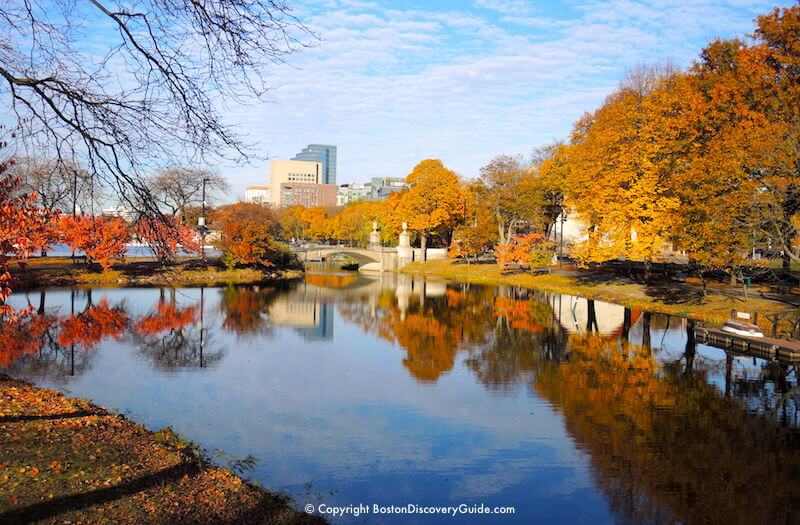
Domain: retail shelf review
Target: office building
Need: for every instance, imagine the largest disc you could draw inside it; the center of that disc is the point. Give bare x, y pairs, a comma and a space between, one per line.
377, 189
324, 154
299, 182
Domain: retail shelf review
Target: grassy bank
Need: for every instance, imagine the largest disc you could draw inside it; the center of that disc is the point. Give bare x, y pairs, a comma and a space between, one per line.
681, 299
63, 460
61, 271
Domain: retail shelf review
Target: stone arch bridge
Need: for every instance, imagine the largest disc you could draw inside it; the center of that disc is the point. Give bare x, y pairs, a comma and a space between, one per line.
373, 258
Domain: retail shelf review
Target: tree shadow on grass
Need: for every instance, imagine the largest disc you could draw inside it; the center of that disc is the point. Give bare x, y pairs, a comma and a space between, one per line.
674, 293
75, 502
49, 417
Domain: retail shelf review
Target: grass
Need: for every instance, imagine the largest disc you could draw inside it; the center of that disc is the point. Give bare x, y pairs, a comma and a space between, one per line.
677, 299
64, 460
59, 271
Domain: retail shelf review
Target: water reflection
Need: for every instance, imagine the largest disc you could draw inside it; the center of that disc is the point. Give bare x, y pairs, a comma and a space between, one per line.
398, 390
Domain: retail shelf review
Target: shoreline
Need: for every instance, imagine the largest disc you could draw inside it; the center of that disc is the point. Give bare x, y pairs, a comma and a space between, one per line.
63, 460
60, 271
676, 299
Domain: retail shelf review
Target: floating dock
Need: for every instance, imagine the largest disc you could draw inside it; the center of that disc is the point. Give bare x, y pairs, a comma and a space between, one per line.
783, 350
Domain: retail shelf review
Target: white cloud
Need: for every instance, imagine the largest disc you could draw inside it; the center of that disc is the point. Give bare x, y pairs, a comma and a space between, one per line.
391, 87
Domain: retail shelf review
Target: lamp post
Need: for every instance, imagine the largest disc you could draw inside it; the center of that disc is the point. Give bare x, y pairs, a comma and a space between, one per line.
202, 229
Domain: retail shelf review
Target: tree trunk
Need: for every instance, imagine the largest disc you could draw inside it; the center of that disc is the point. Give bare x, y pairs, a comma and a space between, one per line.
646, 331
648, 270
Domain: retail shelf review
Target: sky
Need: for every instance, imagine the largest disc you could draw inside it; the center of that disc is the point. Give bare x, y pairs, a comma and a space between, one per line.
392, 83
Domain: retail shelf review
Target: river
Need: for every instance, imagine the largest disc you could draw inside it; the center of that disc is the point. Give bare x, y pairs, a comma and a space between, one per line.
344, 389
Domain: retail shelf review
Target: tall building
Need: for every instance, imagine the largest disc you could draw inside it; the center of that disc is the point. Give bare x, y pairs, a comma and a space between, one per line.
324, 154
299, 182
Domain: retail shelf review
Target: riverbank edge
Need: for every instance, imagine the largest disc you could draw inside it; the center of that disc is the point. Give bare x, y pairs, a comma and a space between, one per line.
198, 493
713, 309
145, 273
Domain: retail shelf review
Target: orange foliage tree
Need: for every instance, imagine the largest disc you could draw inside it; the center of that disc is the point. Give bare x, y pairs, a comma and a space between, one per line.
434, 202
248, 235
533, 249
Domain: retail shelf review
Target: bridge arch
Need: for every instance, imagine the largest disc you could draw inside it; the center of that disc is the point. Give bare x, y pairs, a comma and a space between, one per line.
367, 258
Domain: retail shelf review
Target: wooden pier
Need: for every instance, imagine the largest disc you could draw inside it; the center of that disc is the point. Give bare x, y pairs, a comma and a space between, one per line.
783, 350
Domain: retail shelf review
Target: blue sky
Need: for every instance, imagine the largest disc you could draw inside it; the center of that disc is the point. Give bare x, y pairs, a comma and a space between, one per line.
391, 83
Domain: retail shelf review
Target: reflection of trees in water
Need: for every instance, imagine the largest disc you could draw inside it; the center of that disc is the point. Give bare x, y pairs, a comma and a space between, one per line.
502, 329
665, 444
246, 308
173, 338
524, 333
44, 345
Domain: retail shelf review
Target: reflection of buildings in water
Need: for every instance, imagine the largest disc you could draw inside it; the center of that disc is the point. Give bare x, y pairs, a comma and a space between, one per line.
578, 315
303, 310
407, 286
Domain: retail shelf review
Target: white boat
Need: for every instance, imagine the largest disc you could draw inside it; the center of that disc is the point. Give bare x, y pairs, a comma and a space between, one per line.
734, 326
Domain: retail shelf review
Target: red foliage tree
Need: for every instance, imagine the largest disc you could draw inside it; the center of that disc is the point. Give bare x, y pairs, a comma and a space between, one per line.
102, 239
24, 227
164, 235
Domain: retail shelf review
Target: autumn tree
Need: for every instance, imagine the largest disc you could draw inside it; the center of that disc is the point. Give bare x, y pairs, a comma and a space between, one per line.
532, 249
102, 239
434, 202
165, 235
514, 195
316, 221
293, 226
619, 172
24, 227
247, 235
479, 231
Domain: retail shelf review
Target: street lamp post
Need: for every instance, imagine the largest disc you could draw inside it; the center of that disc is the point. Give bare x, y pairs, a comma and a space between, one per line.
202, 229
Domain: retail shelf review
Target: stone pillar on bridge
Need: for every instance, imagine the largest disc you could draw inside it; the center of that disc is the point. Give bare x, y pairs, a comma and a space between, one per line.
374, 237
405, 253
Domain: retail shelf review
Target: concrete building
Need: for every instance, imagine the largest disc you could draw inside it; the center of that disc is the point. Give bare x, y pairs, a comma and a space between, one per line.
299, 182
354, 191
257, 194
325, 154
382, 187
377, 189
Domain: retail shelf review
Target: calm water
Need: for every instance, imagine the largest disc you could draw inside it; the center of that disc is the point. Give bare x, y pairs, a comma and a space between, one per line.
345, 389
